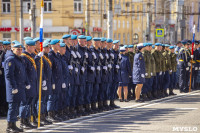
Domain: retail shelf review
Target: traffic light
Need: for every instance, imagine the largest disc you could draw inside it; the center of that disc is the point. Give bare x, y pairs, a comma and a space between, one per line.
83, 31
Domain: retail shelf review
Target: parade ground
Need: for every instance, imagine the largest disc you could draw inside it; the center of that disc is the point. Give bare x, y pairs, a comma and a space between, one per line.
178, 113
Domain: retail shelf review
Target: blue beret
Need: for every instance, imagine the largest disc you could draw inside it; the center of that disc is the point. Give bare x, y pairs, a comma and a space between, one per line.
140, 46
115, 41
6, 43
55, 41
36, 39
184, 42
73, 37
18, 45
103, 39
45, 43
30, 42
96, 39
28, 38
62, 44
153, 46
48, 40
149, 44
167, 45
158, 44
66, 36
88, 38
189, 41
109, 40
81, 37
171, 47
15, 41
130, 46
125, 46
1, 41
145, 44
122, 49
61, 41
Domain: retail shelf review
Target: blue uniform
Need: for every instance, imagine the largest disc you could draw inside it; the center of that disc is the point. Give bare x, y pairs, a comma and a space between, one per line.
195, 68
15, 77
138, 69
177, 49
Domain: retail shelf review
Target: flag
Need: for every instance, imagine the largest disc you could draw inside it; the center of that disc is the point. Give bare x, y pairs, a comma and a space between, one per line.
41, 25
193, 38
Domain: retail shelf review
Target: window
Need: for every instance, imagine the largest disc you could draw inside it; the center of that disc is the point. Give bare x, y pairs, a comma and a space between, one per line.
133, 9
78, 6
104, 25
115, 36
47, 5
115, 25
119, 36
104, 6
127, 24
123, 24
144, 9
93, 23
128, 38
99, 23
27, 34
124, 38
6, 6
119, 24
99, 6
6, 36
138, 9
47, 36
26, 6
124, 5
93, 6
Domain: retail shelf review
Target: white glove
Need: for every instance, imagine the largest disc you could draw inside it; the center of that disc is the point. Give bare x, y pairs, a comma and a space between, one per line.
146, 74
107, 56
189, 64
187, 69
98, 68
142, 75
28, 87
44, 88
199, 68
63, 85
86, 54
161, 73
196, 68
70, 67
93, 68
192, 56
44, 83
53, 86
94, 55
83, 69
120, 56
101, 56
76, 69
109, 66
74, 55
170, 71
105, 68
78, 54
151, 74
15, 91
117, 66
112, 55
41, 54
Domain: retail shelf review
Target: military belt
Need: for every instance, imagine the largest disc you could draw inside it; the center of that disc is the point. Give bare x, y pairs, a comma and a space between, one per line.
198, 60
180, 60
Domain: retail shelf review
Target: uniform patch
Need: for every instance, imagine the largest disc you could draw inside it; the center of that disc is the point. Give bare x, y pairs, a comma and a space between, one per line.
140, 58
9, 64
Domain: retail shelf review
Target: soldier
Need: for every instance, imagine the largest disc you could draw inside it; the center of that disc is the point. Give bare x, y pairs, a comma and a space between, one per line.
37, 45
116, 74
91, 71
3, 104
57, 74
15, 77
139, 71
184, 63
174, 68
6, 46
96, 52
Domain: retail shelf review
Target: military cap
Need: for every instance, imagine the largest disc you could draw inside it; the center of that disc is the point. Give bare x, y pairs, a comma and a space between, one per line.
171, 47
30, 42
184, 42
28, 38
88, 38
145, 44
149, 44
158, 44
1, 41
115, 41
109, 40
55, 41
45, 43
189, 41
6, 43
153, 46
121, 45
48, 40
36, 39
140, 46
17, 45
125, 46
15, 41
122, 49
73, 37
96, 39
61, 41
62, 44
130, 46
103, 39
81, 37
167, 45
196, 42
66, 36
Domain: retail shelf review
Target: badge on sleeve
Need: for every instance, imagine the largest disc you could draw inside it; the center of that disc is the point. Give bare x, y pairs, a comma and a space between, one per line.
140, 58
9, 64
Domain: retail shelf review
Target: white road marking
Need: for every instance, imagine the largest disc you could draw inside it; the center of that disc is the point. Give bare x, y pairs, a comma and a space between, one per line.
186, 108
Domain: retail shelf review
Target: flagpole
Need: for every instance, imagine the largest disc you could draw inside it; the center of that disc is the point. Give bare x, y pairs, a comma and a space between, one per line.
192, 56
41, 61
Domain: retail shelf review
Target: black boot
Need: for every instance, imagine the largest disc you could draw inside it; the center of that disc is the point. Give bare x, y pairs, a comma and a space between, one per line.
162, 93
87, 109
155, 95
100, 106
84, 113
51, 117
171, 93
105, 105
93, 108
112, 104
165, 93
44, 121
12, 128
72, 113
25, 124
145, 98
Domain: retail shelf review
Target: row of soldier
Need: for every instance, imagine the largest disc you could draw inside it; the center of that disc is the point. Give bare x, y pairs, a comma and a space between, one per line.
80, 72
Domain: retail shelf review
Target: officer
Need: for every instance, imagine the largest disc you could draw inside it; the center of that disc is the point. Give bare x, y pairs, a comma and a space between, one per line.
116, 74
29, 105
110, 61
184, 63
174, 69
37, 45
45, 89
57, 74
82, 57
3, 104
98, 71
6, 46
91, 71
65, 91
15, 77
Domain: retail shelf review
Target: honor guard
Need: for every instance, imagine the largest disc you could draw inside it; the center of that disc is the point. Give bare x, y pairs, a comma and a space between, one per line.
37, 45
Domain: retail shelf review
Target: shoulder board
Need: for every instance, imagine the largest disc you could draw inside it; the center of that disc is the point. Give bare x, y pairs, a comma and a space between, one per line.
48, 60
30, 59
